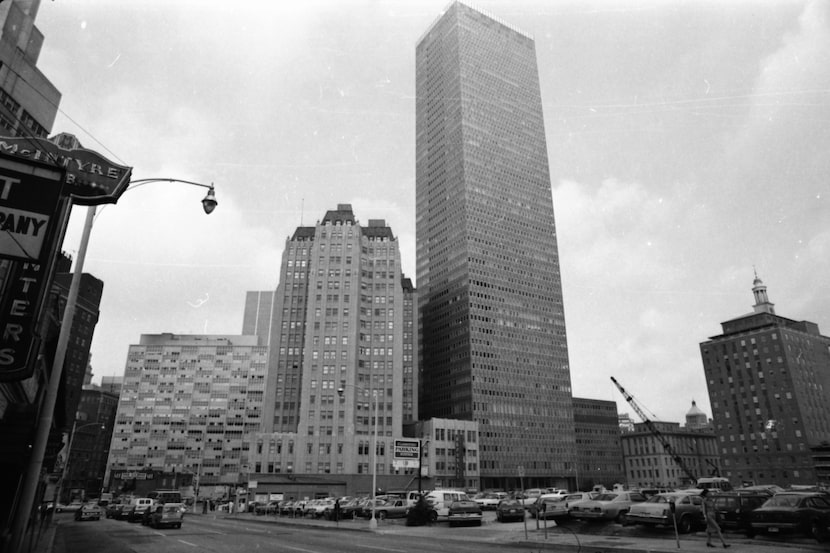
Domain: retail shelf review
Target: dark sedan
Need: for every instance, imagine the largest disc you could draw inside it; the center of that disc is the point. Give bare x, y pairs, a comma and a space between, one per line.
734, 509
510, 509
464, 512
792, 512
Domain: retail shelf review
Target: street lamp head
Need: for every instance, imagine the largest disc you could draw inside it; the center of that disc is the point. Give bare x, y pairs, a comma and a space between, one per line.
340, 392
209, 202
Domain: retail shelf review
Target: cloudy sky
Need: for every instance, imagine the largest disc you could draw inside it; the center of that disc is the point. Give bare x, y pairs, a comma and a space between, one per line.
689, 142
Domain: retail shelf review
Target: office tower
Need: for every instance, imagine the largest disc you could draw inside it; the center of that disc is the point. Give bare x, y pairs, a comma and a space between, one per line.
492, 319
86, 462
28, 100
337, 349
410, 351
76, 361
598, 449
190, 404
258, 314
769, 387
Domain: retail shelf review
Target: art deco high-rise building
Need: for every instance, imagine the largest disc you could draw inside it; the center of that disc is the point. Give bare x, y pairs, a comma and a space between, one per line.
492, 318
769, 387
336, 331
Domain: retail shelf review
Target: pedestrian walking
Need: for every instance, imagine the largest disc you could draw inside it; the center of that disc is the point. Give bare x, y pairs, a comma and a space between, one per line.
337, 510
711, 517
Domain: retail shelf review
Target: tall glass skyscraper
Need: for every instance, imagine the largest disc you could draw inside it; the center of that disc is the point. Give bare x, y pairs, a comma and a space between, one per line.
493, 341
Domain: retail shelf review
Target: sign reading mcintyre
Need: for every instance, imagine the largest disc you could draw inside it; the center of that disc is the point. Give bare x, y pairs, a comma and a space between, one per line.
91, 179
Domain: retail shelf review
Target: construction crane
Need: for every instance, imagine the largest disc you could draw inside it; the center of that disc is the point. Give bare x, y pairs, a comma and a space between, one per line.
654, 430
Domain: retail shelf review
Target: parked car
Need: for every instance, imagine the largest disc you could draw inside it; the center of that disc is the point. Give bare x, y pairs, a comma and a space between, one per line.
733, 508
319, 507
350, 508
396, 508
529, 496
113, 510
510, 509
135, 513
286, 507
608, 506
71, 508
488, 500
169, 515
657, 511
792, 512
575, 498
648, 492
88, 511
440, 501
270, 508
549, 506
146, 513
464, 512
346, 505
123, 512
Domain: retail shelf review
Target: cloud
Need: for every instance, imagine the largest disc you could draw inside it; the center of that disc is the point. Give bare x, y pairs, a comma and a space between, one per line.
630, 312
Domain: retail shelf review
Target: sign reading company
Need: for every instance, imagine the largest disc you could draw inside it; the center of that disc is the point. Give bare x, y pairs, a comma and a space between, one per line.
27, 205
30, 213
91, 179
406, 453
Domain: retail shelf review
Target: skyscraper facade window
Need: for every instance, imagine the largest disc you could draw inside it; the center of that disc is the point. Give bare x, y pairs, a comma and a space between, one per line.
494, 346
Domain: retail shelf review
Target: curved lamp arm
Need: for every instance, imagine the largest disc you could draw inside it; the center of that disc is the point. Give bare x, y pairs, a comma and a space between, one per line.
209, 202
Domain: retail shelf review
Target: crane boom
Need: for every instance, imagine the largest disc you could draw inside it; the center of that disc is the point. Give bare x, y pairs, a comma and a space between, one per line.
654, 430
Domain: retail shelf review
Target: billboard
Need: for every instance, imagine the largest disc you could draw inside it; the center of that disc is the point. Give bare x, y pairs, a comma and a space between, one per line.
406, 453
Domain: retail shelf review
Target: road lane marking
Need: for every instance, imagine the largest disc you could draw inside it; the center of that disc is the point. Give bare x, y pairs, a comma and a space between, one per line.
187, 543
385, 549
299, 549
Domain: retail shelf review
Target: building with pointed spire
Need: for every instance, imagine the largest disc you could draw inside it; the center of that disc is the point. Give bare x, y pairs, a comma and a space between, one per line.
769, 387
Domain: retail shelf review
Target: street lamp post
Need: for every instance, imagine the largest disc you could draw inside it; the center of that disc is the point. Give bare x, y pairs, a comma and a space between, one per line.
65, 471
47, 410
373, 522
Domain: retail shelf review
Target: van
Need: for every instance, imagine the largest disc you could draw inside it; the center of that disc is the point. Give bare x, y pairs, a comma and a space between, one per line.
142, 503
714, 484
440, 501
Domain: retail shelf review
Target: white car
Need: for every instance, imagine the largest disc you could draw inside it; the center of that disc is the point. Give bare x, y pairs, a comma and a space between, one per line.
549, 505
488, 501
529, 497
607, 506
574, 499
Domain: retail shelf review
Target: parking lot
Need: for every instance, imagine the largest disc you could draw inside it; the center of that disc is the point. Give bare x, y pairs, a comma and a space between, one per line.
565, 531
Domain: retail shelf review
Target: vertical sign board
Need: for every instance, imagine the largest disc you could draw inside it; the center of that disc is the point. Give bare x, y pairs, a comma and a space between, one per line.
37, 176
30, 220
406, 453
